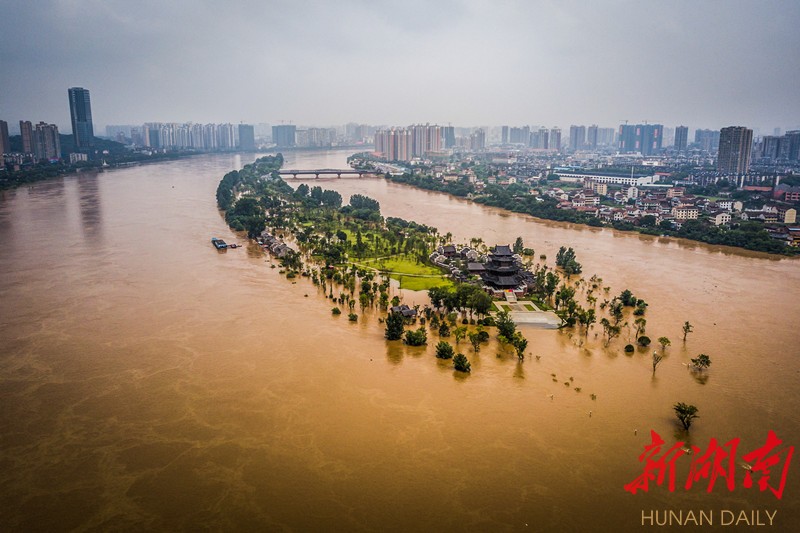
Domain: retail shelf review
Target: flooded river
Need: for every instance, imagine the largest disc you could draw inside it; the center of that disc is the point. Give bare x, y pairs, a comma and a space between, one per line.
148, 381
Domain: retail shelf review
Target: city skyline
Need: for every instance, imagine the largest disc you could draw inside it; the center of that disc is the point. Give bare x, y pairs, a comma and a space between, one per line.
284, 63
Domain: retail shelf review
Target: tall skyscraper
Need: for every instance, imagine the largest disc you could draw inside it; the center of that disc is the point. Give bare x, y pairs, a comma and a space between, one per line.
681, 138
26, 132
707, 139
247, 137
449, 133
577, 137
643, 138
735, 143
46, 142
5, 147
80, 110
591, 136
555, 139
793, 141
652, 138
504, 135
627, 138
284, 135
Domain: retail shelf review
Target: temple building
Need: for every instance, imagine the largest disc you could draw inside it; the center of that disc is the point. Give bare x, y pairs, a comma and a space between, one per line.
503, 272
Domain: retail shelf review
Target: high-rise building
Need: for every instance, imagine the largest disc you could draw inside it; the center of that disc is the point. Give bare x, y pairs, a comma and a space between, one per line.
504, 135
247, 137
26, 133
605, 136
627, 138
707, 139
652, 138
477, 140
591, 136
681, 138
541, 139
793, 142
643, 138
555, 139
394, 144
772, 147
449, 133
80, 111
735, 143
284, 135
5, 146
47, 144
577, 137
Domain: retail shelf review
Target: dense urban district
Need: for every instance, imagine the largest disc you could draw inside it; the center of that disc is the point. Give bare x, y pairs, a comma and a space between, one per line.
351, 253
728, 187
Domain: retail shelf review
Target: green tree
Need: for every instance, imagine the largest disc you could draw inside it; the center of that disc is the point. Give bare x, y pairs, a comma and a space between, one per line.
480, 302
664, 342
701, 362
444, 350
687, 328
505, 326
394, 326
520, 344
475, 341
460, 332
551, 282
686, 414
641, 324
610, 330
518, 246
461, 363
416, 337
644, 340
656, 361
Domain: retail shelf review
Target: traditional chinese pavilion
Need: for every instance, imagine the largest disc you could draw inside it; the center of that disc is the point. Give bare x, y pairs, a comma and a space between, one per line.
502, 271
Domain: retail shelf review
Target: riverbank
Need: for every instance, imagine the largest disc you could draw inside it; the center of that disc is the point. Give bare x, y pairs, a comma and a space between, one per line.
748, 235
11, 179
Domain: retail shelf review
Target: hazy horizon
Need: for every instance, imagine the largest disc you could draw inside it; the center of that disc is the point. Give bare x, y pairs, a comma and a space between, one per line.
465, 63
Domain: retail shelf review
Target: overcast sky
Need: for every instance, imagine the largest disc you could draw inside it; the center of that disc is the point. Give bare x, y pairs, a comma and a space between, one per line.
395, 62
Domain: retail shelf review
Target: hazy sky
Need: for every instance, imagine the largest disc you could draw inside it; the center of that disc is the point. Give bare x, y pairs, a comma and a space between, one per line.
699, 63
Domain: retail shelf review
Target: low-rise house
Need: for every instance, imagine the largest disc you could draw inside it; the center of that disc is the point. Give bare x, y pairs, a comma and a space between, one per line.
449, 251
685, 213
476, 268
720, 218
404, 310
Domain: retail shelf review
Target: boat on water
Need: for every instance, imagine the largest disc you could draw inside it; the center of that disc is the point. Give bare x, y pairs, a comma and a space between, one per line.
219, 244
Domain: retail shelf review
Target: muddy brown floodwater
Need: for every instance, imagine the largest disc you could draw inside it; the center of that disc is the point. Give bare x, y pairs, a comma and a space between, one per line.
148, 381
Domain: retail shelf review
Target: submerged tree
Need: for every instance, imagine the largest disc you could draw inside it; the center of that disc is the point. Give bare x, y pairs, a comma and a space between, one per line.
664, 342
461, 363
416, 337
656, 361
444, 350
701, 362
687, 328
520, 344
475, 341
686, 414
394, 326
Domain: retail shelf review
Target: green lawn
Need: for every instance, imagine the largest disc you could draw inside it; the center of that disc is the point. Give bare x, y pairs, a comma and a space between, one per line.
421, 284
529, 307
422, 277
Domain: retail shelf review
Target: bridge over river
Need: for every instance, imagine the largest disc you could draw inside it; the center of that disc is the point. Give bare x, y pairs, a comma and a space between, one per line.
338, 172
